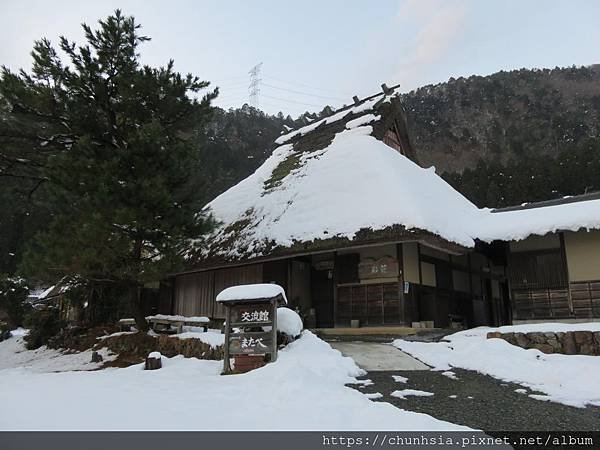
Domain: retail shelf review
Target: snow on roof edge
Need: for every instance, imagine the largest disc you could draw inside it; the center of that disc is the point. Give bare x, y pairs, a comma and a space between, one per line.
256, 291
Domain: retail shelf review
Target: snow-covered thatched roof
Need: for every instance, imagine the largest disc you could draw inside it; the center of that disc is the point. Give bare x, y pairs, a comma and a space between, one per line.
334, 179
340, 182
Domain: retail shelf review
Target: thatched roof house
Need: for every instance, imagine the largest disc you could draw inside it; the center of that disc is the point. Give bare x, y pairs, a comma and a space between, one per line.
344, 218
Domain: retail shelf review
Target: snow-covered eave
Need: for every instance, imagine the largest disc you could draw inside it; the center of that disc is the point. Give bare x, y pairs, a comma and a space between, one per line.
517, 225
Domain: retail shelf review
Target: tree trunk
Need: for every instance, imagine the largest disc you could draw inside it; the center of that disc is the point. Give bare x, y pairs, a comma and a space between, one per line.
136, 308
136, 292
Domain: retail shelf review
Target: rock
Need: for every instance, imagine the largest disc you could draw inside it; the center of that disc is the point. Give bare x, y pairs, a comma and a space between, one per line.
553, 341
494, 335
97, 357
544, 348
559, 335
537, 338
510, 338
586, 349
583, 337
153, 361
568, 344
597, 342
522, 340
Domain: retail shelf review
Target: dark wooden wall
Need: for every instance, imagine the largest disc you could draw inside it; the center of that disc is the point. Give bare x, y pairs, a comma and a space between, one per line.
195, 293
539, 285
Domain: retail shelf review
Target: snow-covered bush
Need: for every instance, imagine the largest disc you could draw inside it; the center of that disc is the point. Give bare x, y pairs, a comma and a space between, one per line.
289, 325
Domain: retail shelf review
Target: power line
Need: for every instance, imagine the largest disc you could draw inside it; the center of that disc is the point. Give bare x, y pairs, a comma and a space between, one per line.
307, 86
284, 107
234, 85
237, 77
241, 93
303, 93
293, 101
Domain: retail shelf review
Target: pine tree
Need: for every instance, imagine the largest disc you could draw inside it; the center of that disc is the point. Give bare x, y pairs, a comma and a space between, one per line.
110, 142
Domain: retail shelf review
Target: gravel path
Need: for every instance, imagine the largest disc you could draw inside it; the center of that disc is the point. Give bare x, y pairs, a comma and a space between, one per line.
494, 405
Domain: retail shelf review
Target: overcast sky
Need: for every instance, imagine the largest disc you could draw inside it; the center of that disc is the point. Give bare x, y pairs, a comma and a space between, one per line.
323, 52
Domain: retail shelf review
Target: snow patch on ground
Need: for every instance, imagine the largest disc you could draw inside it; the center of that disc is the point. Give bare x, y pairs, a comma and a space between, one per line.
13, 354
305, 388
19, 332
410, 392
118, 333
569, 379
399, 379
210, 337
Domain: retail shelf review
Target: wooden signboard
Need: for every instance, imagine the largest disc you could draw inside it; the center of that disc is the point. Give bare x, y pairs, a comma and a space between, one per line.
253, 343
385, 267
250, 328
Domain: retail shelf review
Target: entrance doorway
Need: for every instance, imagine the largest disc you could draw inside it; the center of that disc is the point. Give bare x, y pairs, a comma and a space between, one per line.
322, 296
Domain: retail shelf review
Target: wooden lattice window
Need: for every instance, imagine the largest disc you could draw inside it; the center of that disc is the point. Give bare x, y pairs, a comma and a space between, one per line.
537, 270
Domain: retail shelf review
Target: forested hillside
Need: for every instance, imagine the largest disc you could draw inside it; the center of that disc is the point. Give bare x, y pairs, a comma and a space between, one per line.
511, 137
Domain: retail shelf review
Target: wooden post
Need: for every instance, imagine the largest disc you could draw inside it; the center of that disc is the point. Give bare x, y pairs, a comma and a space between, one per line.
226, 362
563, 255
274, 330
419, 295
153, 361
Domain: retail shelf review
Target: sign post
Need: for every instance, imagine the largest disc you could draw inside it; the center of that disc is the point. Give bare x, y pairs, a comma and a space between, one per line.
250, 329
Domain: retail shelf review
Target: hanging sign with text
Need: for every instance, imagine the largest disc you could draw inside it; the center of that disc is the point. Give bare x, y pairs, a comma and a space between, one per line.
258, 313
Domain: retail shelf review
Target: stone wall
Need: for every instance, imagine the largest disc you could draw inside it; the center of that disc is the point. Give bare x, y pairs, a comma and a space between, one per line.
568, 343
139, 345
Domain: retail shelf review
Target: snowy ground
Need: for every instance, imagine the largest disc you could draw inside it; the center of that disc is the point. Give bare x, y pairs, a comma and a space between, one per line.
569, 379
305, 389
13, 354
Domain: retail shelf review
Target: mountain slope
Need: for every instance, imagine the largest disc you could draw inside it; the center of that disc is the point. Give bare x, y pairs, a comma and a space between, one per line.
507, 115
